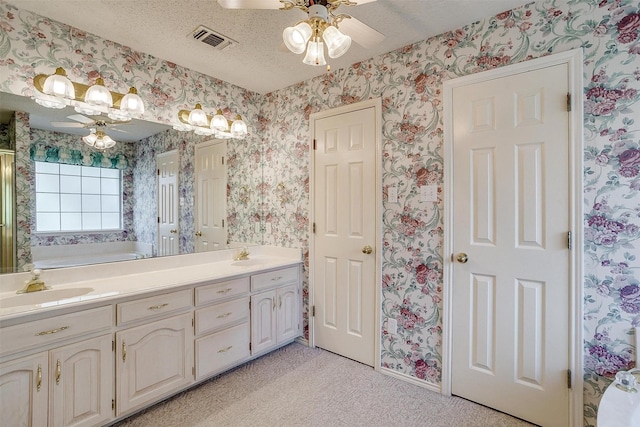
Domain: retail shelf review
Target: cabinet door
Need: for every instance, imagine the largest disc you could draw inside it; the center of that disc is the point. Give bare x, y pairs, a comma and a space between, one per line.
81, 383
153, 360
288, 313
24, 391
263, 322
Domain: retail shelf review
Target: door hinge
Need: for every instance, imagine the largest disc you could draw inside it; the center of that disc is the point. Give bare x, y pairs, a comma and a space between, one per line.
568, 102
158, 172
223, 160
314, 144
223, 223
193, 371
249, 346
569, 378
569, 240
113, 346
313, 311
113, 404
158, 220
314, 228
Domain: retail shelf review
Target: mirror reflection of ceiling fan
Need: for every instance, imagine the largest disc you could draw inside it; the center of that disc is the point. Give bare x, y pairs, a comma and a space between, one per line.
102, 123
323, 14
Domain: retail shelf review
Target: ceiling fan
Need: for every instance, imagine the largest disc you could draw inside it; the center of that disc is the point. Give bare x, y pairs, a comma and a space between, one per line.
80, 121
320, 27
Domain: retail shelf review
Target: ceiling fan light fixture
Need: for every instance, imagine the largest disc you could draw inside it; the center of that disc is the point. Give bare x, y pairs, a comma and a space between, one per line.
99, 140
296, 37
315, 53
59, 85
131, 103
337, 42
197, 117
219, 122
98, 95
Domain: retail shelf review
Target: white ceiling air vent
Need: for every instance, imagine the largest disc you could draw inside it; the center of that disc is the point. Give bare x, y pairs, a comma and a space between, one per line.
210, 37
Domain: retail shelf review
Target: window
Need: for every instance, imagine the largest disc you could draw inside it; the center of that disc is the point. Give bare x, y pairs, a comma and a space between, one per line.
77, 198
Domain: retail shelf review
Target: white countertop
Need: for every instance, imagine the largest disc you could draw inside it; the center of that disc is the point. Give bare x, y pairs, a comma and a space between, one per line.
130, 278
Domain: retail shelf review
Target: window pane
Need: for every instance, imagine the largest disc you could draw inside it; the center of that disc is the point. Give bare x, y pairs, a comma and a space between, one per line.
70, 184
91, 203
89, 171
90, 185
70, 203
47, 167
110, 173
110, 186
91, 221
47, 202
48, 221
110, 204
71, 221
110, 220
70, 170
47, 183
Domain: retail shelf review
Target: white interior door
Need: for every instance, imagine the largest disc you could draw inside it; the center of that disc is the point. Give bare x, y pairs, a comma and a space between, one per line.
168, 165
511, 218
344, 259
211, 196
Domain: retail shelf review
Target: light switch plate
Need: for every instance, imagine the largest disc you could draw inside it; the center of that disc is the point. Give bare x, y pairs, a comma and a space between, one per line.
392, 194
429, 193
392, 326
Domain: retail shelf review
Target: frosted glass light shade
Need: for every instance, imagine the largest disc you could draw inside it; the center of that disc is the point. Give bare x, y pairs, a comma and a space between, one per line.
238, 127
132, 103
49, 101
315, 54
337, 43
99, 140
197, 117
59, 85
98, 95
296, 37
219, 122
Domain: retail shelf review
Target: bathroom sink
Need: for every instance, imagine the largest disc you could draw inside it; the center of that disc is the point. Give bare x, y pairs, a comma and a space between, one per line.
43, 297
248, 262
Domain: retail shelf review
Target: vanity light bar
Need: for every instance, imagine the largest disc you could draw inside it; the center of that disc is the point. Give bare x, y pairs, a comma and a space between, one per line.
81, 90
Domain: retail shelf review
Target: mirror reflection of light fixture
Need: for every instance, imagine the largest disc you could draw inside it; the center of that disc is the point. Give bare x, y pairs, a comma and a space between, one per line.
217, 126
316, 32
57, 91
99, 140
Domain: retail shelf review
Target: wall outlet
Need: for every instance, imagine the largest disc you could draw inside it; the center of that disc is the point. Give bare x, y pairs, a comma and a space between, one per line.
392, 326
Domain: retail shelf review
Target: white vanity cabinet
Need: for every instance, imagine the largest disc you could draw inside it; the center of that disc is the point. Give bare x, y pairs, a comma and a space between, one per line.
221, 326
275, 312
154, 359
68, 385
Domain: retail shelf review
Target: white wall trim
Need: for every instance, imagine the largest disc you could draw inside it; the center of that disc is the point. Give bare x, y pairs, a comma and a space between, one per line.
574, 61
411, 380
376, 103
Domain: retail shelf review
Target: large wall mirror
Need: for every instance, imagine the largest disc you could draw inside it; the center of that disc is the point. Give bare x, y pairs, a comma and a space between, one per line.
54, 150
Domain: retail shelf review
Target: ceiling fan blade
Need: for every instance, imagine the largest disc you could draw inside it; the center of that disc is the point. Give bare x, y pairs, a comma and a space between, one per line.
250, 4
67, 125
361, 33
80, 118
359, 2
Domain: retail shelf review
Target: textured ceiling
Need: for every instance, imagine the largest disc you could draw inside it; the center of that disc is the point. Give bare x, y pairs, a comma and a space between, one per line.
258, 61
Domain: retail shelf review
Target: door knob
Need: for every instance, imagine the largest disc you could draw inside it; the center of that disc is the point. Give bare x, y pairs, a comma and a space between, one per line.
173, 231
462, 258
367, 250
198, 233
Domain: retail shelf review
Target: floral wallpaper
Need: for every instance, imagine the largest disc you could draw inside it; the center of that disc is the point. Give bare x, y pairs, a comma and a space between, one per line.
5, 140
409, 82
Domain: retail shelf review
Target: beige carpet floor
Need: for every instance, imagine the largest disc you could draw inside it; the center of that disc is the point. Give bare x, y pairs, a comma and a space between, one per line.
301, 386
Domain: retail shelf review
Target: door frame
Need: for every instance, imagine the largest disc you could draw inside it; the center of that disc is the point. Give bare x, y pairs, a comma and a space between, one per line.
376, 103
574, 61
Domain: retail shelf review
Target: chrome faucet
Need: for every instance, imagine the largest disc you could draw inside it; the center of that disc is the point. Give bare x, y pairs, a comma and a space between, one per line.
35, 284
242, 255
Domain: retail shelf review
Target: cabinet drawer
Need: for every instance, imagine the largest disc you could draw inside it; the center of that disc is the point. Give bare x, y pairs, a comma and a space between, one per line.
221, 290
273, 278
153, 306
219, 315
221, 350
45, 331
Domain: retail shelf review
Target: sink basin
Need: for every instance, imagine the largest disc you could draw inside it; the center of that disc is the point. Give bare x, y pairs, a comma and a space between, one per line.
248, 262
43, 297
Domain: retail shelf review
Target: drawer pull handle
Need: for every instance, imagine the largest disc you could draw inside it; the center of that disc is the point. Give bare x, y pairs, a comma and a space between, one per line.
52, 331
222, 316
276, 278
58, 372
158, 307
224, 291
224, 350
39, 378
124, 351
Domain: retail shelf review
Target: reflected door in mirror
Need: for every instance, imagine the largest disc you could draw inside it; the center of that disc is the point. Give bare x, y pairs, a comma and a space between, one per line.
168, 227
211, 196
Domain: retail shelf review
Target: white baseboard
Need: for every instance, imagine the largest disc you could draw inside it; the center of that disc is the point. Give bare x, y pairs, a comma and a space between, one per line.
410, 379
